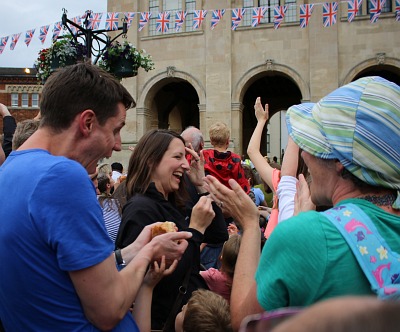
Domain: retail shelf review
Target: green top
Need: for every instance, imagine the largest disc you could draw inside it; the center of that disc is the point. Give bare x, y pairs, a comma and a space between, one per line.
306, 259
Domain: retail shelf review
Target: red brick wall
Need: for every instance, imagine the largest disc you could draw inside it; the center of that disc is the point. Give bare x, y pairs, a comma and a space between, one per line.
19, 113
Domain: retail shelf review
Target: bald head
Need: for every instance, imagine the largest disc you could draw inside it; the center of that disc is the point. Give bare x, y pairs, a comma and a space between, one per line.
194, 136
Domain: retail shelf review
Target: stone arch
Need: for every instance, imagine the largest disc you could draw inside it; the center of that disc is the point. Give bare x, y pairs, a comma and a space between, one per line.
253, 73
163, 78
379, 60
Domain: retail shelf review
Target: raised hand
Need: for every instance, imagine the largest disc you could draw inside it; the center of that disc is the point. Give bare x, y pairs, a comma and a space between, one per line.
261, 114
236, 201
202, 214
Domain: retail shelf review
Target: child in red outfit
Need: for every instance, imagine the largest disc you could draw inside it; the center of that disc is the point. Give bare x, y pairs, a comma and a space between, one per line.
221, 163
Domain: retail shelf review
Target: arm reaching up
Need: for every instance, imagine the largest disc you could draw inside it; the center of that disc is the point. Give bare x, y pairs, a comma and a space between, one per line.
253, 150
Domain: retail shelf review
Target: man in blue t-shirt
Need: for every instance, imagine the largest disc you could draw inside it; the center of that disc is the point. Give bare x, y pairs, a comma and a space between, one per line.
58, 267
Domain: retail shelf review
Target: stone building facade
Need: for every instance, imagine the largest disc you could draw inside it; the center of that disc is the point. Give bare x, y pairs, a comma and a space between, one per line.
206, 75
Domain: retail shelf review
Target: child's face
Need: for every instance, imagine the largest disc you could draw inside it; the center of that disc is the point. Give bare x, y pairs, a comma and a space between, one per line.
179, 319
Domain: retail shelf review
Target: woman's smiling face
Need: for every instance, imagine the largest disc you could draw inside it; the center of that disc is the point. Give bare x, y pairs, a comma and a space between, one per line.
168, 174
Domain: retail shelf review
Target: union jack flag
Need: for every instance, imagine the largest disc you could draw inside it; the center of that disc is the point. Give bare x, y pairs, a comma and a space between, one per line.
258, 15
129, 18
3, 43
77, 20
376, 9
94, 20
199, 16
162, 22
237, 16
398, 10
329, 12
56, 30
112, 21
14, 40
28, 36
353, 6
279, 14
305, 14
179, 19
144, 19
216, 17
43, 33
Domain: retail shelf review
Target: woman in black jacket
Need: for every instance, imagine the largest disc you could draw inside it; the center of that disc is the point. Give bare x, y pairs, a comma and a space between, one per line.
156, 192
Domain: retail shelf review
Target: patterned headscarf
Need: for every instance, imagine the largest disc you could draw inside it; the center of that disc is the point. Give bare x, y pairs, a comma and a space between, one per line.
358, 124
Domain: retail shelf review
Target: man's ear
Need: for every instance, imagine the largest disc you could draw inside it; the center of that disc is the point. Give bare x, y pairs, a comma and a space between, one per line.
339, 167
86, 121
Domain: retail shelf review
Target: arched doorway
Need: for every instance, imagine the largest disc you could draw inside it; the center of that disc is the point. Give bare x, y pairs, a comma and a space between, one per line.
388, 72
177, 105
280, 92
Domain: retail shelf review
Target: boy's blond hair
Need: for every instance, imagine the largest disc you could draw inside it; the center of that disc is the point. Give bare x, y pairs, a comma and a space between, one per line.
219, 134
207, 311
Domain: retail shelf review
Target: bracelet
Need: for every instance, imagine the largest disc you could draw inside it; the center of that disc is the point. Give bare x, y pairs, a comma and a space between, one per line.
203, 194
118, 258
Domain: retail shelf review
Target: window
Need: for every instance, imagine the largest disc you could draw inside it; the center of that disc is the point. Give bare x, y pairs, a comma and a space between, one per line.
14, 99
365, 9
386, 8
154, 9
190, 7
171, 6
291, 12
25, 100
35, 100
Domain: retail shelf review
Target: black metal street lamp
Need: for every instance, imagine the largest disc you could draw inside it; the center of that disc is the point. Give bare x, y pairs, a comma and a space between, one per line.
96, 41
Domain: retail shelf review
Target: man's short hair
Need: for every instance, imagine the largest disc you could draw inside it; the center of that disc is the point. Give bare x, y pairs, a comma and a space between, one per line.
73, 89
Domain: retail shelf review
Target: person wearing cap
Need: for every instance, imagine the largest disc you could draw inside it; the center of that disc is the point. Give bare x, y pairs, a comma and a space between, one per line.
350, 142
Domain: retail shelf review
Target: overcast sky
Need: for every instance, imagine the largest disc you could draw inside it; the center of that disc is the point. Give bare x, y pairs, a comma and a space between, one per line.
22, 15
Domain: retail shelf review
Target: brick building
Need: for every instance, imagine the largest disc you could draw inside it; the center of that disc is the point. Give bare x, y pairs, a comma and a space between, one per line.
20, 92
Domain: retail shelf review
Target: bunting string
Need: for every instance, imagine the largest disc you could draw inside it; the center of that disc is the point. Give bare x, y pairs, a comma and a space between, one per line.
163, 19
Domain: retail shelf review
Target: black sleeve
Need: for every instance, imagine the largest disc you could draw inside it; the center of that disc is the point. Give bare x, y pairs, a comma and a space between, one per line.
217, 232
135, 216
9, 126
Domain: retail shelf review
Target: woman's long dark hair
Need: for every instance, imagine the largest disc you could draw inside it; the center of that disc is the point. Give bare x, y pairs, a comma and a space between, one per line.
146, 157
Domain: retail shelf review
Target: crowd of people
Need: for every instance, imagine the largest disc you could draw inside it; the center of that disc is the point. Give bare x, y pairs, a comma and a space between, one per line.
75, 234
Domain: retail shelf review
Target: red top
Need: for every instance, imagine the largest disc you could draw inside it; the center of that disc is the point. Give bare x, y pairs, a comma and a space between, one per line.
224, 166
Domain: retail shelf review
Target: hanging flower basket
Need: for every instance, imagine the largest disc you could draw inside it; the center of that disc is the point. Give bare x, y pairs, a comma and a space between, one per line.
124, 68
124, 60
61, 53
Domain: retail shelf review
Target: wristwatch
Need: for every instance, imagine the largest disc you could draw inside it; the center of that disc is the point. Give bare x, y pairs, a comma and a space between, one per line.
118, 258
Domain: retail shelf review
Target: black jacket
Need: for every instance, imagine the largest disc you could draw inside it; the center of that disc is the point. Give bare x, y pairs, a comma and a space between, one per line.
142, 210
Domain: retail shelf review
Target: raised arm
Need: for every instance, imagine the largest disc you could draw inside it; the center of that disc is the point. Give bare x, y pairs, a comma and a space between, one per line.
287, 185
253, 150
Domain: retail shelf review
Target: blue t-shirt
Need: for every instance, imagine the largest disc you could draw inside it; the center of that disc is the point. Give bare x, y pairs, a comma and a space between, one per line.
259, 195
50, 223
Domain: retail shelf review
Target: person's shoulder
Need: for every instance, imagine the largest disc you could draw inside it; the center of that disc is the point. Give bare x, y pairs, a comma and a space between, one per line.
301, 226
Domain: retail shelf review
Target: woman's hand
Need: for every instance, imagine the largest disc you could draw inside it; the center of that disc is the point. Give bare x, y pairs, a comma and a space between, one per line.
202, 214
260, 113
302, 199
